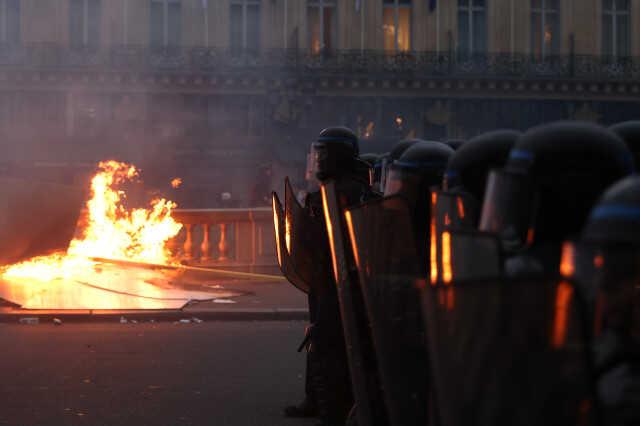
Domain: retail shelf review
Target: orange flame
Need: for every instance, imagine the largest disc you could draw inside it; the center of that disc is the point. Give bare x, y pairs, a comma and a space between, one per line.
112, 231
175, 183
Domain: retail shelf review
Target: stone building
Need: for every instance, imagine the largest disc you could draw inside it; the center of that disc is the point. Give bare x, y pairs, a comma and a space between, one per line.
213, 89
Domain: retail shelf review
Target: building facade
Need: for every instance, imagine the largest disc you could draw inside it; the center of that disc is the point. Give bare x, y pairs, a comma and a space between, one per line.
213, 89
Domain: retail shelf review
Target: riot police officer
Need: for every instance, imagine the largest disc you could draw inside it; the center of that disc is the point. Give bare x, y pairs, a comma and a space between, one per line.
469, 167
418, 171
387, 159
335, 155
542, 196
390, 264
342, 186
329, 391
610, 267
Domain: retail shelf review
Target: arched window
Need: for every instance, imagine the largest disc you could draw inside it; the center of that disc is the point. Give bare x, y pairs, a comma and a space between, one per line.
397, 25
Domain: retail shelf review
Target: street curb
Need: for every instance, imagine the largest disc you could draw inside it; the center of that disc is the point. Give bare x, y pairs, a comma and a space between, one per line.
45, 317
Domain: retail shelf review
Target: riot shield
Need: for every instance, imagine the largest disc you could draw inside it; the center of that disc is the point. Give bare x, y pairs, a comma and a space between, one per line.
453, 211
284, 259
610, 277
382, 240
302, 237
362, 362
464, 255
507, 352
305, 245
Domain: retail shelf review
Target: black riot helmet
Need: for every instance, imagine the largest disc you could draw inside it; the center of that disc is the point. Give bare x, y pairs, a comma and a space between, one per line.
629, 131
400, 147
553, 176
455, 144
335, 152
615, 219
413, 176
395, 153
469, 167
605, 261
420, 168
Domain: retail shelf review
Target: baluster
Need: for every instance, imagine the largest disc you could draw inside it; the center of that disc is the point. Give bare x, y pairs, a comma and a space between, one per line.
222, 244
205, 247
188, 242
172, 246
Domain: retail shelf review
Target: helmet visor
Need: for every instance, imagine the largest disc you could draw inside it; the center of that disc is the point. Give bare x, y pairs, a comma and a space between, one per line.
507, 209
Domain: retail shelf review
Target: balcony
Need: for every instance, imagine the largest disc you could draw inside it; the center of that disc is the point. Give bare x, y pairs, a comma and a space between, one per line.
417, 65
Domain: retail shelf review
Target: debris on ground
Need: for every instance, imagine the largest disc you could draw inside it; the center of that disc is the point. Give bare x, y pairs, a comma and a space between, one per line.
223, 301
29, 321
57, 321
123, 320
197, 320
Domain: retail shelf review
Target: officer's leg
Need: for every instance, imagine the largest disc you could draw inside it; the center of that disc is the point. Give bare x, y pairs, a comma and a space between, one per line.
308, 407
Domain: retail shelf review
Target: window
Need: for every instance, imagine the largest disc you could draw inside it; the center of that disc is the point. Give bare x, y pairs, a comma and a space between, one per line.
472, 27
545, 27
397, 25
165, 23
615, 28
245, 24
84, 23
10, 22
321, 19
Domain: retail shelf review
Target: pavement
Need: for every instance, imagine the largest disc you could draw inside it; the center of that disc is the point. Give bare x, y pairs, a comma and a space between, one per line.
222, 373
266, 301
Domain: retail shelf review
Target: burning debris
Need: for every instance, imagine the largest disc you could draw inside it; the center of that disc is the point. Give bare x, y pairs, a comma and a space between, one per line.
111, 232
176, 183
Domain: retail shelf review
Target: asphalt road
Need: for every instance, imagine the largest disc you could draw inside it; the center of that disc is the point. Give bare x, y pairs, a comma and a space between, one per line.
214, 373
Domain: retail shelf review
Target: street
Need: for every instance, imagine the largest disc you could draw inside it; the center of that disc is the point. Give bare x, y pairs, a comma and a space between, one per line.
214, 373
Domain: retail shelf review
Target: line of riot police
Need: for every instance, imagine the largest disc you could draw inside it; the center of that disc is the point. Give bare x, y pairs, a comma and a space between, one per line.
492, 284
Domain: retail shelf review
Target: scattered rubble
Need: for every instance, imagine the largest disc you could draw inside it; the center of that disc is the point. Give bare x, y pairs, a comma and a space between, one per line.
29, 321
57, 321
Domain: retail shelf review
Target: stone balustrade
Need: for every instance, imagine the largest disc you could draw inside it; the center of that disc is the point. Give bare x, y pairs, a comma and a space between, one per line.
242, 237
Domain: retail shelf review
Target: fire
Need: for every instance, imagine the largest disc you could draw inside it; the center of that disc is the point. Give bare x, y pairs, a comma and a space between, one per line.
111, 231
175, 183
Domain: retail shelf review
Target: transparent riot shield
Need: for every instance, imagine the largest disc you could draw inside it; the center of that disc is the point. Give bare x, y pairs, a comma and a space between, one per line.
506, 352
302, 237
464, 255
306, 246
453, 210
381, 234
284, 259
361, 357
610, 278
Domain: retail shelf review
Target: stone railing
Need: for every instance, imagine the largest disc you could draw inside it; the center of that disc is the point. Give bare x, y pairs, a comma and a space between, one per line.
242, 237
